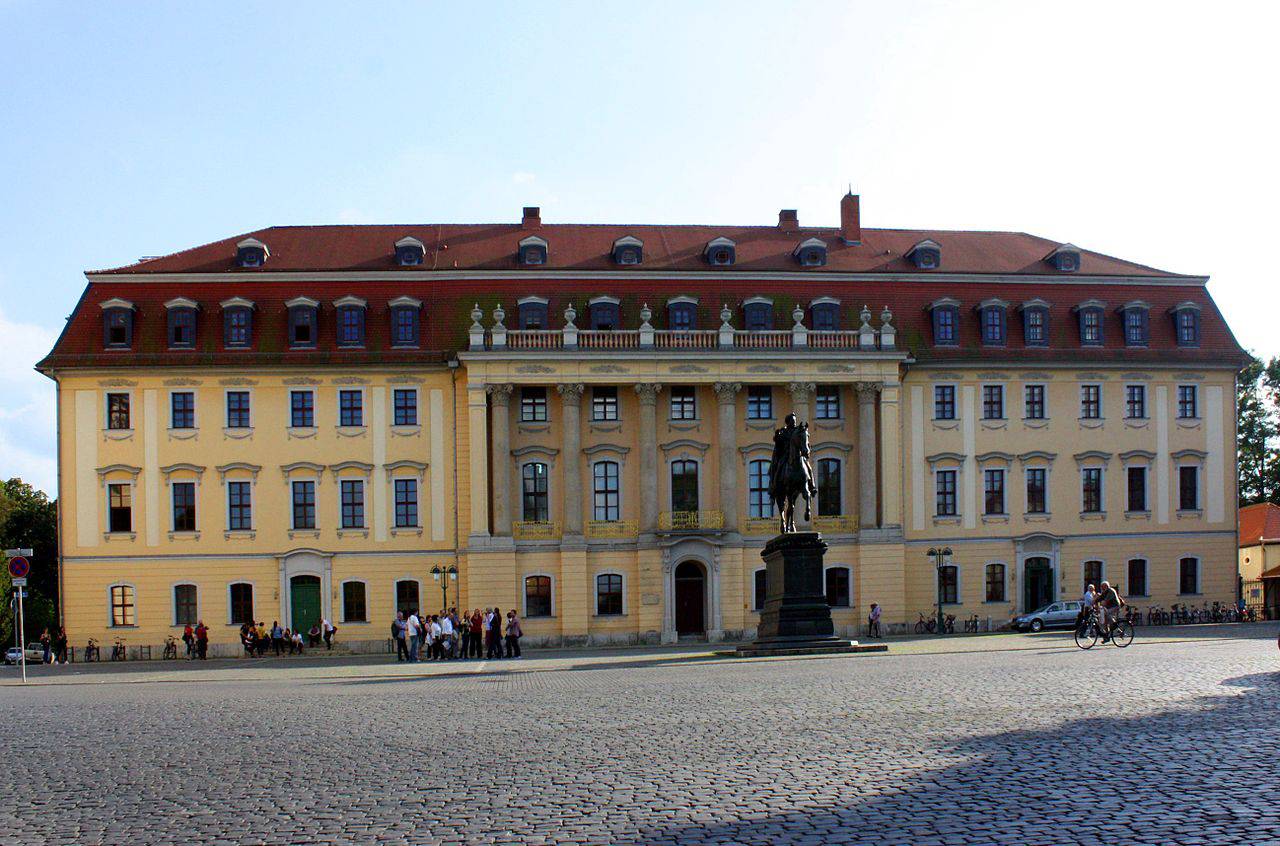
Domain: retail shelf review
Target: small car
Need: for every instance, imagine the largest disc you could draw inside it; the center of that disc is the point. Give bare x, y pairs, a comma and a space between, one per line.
1053, 615
12, 655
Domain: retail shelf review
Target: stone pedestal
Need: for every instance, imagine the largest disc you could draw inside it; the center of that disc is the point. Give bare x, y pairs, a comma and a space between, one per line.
796, 619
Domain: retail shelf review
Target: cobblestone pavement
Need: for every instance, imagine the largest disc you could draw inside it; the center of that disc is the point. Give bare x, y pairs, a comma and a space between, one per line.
966, 747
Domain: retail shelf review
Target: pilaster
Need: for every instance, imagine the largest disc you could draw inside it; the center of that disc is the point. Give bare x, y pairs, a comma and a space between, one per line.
648, 394
727, 397
500, 403
571, 428
867, 464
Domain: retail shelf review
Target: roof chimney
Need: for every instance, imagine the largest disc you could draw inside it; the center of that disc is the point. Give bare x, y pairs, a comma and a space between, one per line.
850, 220
532, 217
788, 221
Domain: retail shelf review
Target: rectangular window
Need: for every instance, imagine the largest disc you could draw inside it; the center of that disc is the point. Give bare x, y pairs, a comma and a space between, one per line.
304, 505
1033, 327
1135, 327
239, 506
1137, 477
404, 407
302, 322
995, 583
241, 603
235, 327
828, 484
759, 502
350, 408
185, 612
993, 487
182, 328
407, 596
1187, 406
1091, 490
1135, 402
1137, 577
122, 606
404, 326
1091, 326
684, 404
944, 325
944, 402
946, 493
350, 326
1090, 402
238, 410
1188, 488
184, 506
837, 585
1036, 489
993, 325
536, 506
993, 402
406, 503
1188, 576
759, 402
302, 409
354, 609
352, 503
119, 508
1092, 572
1034, 406
827, 403
118, 411
533, 405
1188, 328
604, 404
182, 410
537, 596
605, 491
949, 584
608, 594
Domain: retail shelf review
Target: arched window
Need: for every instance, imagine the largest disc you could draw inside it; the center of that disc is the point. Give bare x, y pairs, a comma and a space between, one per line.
240, 603
759, 503
1137, 331
350, 321
605, 489
605, 314
537, 596
824, 316
1189, 575
407, 596
185, 605
757, 315
532, 313
1137, 577
682, 316
992, 314
684, 485
182, 326
828, 482
303, 320
995, 583
761, 585
1186, 323
536, 508
608, 594
117, 326
237, 323
405, 321
123, 610
837, 587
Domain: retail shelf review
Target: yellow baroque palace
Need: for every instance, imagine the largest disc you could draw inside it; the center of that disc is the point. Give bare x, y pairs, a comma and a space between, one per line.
575, 422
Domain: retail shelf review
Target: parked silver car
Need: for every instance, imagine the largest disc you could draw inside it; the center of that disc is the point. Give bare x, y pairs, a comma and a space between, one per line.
1053, 615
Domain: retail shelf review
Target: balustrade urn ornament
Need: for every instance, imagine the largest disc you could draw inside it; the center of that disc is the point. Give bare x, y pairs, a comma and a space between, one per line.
645, 314
476, 314
498, 316
797, 314
569, 315
886, 317
725, 314
866, 318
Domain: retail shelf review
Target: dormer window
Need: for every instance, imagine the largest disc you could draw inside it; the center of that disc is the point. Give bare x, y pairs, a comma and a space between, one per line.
1035, 323
811, 253
824, 314
992, 314
1065, 259
1186, 324
1090, 315
720, 252
532, 313
628, 250
117, 324
682, 314
182, 323
926, 255
405, 321
605, 313
251, 253
757, 314
304, 319
945, 315
350, 314
533, 251
237, 323
1137, 326
410, 252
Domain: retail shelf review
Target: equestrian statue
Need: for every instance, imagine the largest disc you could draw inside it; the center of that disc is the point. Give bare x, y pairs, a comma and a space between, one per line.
790, 473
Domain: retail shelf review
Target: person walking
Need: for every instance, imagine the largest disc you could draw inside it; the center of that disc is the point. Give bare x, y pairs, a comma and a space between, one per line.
412, 631
189, 639
277, 637
873, 622
514, 633
397, 634
446, 635
329, 630
202, 640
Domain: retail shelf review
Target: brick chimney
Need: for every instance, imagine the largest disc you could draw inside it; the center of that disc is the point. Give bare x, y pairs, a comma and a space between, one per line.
850, 221
788, 221
532, 218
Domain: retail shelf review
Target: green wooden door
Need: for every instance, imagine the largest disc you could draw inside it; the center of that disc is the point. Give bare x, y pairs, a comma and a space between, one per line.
1037, 584
304, 597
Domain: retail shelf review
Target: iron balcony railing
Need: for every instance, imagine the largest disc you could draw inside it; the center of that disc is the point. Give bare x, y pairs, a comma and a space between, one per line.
687, 521
535, 530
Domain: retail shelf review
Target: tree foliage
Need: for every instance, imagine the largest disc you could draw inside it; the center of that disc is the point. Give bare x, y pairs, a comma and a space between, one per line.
28, 518
1258, 433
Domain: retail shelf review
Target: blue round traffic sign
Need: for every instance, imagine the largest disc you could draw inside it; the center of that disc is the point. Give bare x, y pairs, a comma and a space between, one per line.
19, 567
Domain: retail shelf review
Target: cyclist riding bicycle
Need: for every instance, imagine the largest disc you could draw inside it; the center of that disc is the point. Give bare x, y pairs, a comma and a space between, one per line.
1109, 604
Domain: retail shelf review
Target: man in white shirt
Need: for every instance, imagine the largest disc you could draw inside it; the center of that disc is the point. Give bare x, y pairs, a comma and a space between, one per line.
412, 630
327, 629
446, 636
435, 639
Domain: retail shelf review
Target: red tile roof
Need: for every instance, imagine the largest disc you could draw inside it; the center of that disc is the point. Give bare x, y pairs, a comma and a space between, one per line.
1259, 522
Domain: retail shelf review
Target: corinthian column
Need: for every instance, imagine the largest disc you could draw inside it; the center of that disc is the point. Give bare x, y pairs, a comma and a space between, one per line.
727, 395
801, 393
867, 392
648, 394
500, 421
571, 426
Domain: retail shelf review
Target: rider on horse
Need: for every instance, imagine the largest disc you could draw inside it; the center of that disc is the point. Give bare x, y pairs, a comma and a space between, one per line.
790, 473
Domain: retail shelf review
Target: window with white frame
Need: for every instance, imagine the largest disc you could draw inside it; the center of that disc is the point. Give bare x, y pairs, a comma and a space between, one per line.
118, 417
684, 485
1136, 476
182, 410
826, 402
1090, 402
1188, 487
352, 494
1037, 490
1135, 402
302, 409
605, 490
759, 502
351, 408
837, 587
944, 402
828, 483
406, 503
120, 508
993, 490
183, 495
304, 503
239, 506
608, 594
1188, 407
123, 606
993, 402
238, 410
1034, 408
186, 609
759, 402
684, 405
945, 493
533, 405
604, 403
404, 407
1091, 490
535, 503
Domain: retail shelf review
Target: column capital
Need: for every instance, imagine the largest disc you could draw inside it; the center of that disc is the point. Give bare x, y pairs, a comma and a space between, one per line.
571, 392
501, 393
867, 390
727, 392
801, 391
648, 392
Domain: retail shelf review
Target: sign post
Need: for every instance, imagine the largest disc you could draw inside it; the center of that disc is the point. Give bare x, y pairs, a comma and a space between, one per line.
19, 567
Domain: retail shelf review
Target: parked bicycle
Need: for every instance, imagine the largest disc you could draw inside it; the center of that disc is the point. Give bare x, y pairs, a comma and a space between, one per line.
1089, 630
926, 624
117, 651
971, 624
170, 648
91, 651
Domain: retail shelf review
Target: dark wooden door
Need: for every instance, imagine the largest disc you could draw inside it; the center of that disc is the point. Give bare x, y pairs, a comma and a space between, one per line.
691, 594
1037, 584
305, 602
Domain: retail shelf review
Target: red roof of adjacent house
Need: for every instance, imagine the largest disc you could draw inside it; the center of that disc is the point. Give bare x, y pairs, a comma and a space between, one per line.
1258, 523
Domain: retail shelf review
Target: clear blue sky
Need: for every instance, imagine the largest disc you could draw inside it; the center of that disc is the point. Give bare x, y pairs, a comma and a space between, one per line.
1142, 130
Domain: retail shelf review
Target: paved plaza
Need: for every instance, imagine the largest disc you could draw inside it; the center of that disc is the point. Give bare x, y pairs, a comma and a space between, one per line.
973, 740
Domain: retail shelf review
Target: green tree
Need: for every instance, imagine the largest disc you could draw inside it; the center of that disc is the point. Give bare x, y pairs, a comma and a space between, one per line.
1256, 433
28, 518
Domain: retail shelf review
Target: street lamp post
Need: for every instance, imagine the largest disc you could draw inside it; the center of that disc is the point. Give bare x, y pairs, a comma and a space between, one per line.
443, 577
940, 556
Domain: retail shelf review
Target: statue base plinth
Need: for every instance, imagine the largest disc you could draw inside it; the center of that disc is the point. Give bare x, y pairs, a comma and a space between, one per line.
796, 619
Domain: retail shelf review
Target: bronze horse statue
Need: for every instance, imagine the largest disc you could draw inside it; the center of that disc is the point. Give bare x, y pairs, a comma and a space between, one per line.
790, 473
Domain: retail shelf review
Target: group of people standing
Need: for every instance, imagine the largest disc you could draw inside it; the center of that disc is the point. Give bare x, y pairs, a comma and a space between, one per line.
196, 640
54, 646
256, 640
450, 635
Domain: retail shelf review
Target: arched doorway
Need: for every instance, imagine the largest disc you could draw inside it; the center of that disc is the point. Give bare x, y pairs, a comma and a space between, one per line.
1037, 583
691, 598
304, 602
